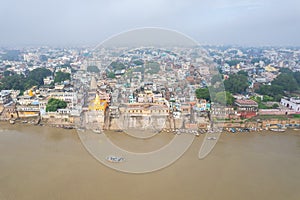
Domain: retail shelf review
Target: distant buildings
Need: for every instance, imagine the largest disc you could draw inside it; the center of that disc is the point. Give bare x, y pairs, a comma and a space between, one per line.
165, 88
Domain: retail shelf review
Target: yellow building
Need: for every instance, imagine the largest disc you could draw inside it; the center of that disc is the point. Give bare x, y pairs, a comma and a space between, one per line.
30, 91
28, 111
149, 92
97, 104
269, 68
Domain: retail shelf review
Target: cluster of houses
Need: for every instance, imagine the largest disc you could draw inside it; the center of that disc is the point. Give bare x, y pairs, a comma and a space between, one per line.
165, 87
261, 64
32, 105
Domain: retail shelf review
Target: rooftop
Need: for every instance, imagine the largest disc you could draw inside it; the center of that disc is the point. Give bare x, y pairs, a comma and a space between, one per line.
248, 102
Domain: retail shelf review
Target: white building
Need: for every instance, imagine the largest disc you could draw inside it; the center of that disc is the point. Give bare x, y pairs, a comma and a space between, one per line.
292, 103
48, 80
5, 98
69, 97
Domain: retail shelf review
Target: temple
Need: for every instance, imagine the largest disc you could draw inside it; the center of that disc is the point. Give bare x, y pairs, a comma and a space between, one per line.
98, 104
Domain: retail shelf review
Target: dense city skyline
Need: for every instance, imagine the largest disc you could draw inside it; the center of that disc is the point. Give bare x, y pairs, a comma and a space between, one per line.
246, 22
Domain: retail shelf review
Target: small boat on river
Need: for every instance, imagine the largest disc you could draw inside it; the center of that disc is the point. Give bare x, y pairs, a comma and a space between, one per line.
277, 129
211, 138
115, 159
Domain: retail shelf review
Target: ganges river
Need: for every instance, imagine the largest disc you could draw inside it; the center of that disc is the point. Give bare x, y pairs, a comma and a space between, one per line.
42, 163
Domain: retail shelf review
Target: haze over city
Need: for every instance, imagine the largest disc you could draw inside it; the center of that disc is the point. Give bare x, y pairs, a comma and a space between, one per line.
149, 99
246, 22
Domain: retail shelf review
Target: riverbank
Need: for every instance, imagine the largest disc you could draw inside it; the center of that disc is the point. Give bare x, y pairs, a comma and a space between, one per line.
178, 131
51, 163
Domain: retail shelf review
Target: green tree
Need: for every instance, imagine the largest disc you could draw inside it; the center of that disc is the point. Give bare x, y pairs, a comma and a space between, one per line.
15, 82
38, 75
285, 70
20, 82
7, 66
152, 67
236, 83
224, 97
29, 83
111, 75
233, 62
203, 93
8, 73
61, 76
297, 77
117, 65
54, 104
286, 81
270, 90
138, 62
268, 98
242, 72
94, 69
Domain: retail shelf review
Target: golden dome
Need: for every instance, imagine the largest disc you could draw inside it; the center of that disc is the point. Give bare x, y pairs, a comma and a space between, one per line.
30, 93
97, 104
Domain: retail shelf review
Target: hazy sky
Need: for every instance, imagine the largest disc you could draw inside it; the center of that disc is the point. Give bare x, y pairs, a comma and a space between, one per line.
72, 22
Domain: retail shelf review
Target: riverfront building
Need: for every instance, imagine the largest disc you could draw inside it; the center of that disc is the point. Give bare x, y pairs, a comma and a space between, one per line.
291, 103
5, 98
246, 108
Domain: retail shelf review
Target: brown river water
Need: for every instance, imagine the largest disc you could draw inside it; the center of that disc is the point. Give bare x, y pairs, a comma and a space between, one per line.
49, 163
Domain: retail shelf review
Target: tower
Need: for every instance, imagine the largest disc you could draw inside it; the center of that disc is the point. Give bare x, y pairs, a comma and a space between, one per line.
93, 85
